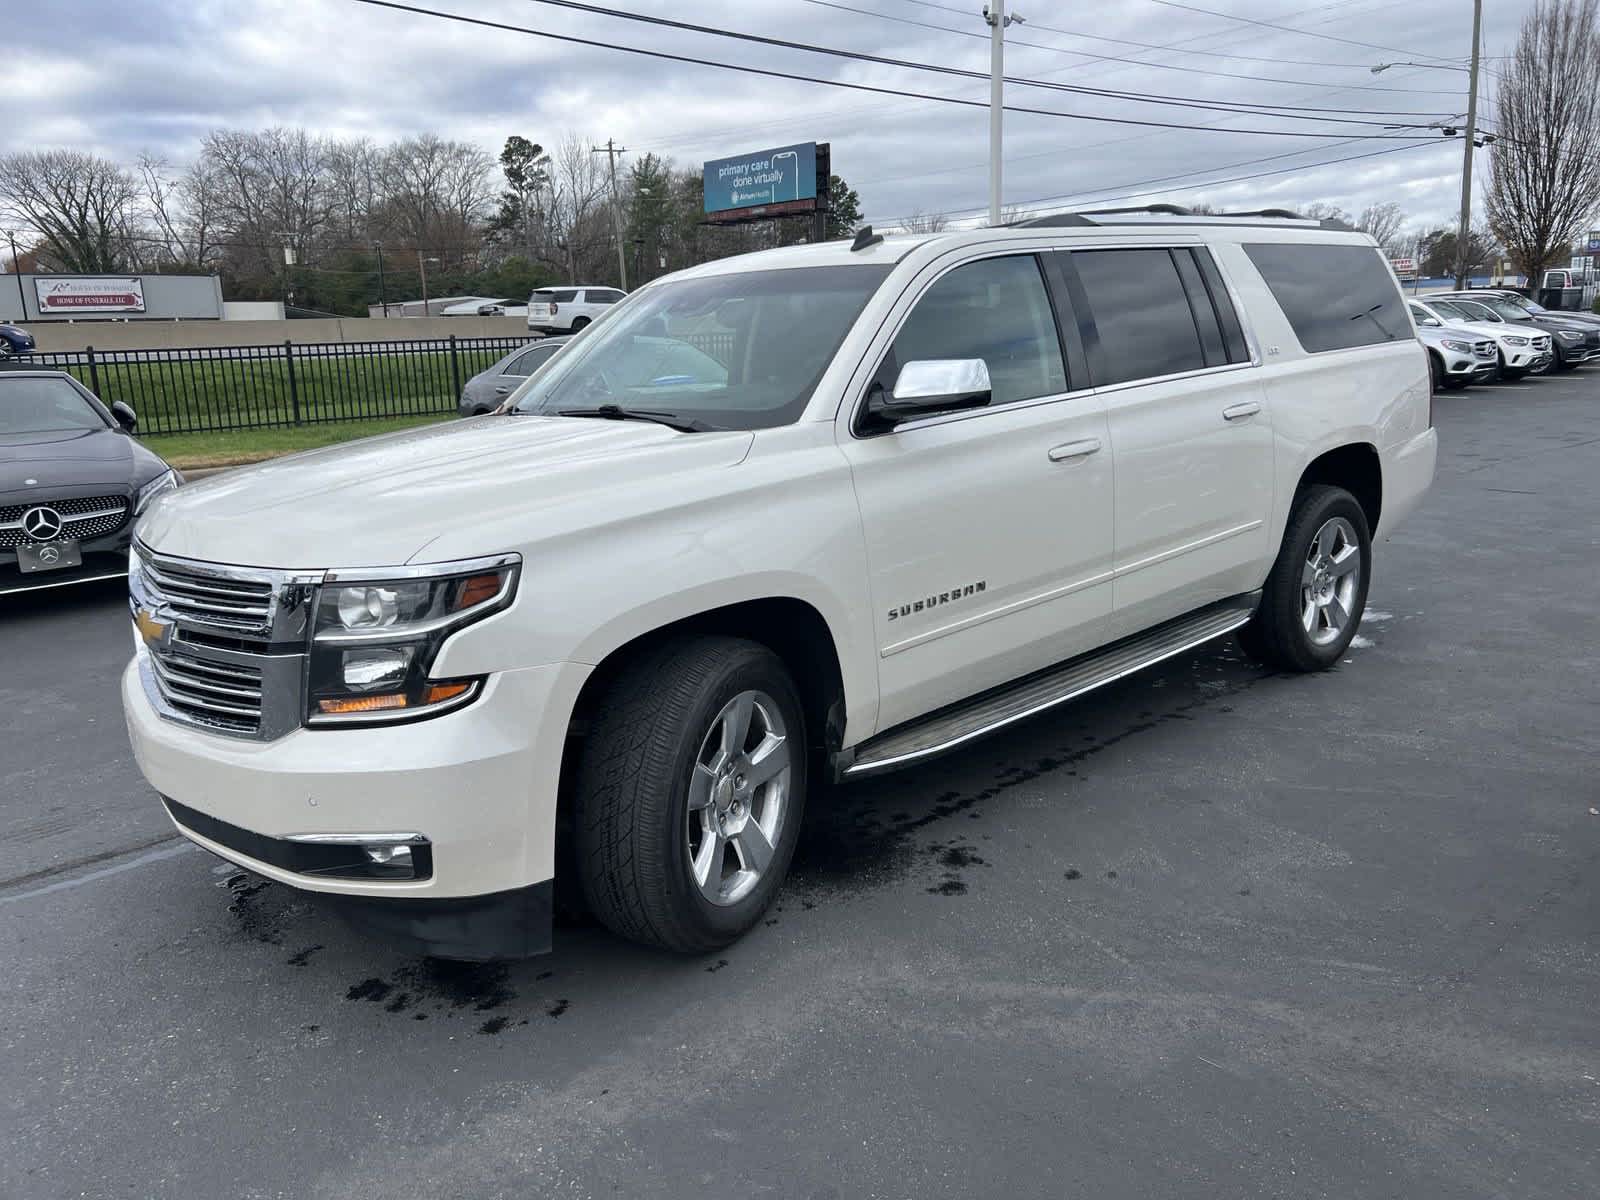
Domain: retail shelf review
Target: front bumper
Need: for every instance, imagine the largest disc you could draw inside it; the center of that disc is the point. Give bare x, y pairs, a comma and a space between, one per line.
1525, 358
479, 784
103, 558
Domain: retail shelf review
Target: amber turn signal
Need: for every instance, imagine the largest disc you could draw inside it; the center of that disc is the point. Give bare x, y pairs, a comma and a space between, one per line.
475, 589
360, 704
438, 692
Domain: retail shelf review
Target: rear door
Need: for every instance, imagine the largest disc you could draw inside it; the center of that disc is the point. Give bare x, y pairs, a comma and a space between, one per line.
1190, 426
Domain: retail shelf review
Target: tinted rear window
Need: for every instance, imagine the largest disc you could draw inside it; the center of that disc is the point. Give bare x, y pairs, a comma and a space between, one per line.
1335, 297
1141, 313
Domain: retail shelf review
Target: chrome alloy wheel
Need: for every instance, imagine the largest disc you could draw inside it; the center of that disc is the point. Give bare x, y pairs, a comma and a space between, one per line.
1329, 581
738, 797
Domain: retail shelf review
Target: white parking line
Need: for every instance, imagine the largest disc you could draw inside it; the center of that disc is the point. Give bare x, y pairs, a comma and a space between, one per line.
119, 868
1504, 387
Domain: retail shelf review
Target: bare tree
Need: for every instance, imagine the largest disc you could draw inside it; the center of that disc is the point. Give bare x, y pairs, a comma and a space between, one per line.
1320, 210
84, 209
1544, 169
355, 172
437, 193
921, 222
1383, 222
579, 228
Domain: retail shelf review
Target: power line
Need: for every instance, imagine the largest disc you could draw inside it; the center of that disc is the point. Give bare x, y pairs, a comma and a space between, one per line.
1328, 37
1069, 196
771, 73
1019, 42
910, 64
1100, 37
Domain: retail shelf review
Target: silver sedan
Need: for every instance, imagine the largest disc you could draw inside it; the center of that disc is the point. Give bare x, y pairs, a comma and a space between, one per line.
486, 390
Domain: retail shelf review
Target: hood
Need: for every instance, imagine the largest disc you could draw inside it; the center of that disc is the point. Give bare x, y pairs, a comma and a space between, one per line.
72, 462
1489, 329
379, 502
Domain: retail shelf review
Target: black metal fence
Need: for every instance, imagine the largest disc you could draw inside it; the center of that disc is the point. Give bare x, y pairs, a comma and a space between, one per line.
254, 387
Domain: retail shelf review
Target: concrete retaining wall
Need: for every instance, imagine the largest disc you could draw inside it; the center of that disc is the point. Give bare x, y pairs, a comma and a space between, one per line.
183, 335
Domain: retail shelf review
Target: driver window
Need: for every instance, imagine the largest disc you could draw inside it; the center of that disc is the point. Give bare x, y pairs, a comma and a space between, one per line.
997, 310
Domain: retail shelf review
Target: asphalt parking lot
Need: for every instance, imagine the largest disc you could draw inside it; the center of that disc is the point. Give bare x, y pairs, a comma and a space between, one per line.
1210, 932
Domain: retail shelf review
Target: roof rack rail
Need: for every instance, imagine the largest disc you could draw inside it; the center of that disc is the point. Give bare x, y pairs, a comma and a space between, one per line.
1097, 216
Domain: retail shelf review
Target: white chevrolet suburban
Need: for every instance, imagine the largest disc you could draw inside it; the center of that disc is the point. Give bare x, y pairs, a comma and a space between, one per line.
823, 510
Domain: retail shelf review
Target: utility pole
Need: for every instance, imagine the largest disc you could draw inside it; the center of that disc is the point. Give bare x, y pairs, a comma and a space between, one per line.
1463, 263
611, 151
995, 15
16, 269
422, 265
383, 292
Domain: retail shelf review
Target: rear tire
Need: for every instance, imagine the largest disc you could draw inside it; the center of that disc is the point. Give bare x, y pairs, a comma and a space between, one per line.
1312, 602
579, 323
690, 792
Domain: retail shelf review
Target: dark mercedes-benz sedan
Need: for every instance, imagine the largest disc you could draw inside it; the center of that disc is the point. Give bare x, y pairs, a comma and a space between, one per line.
72, 480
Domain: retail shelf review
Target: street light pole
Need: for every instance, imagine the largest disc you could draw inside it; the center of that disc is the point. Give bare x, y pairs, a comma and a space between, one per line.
16, 269
422, 265
995, 15
1463, 258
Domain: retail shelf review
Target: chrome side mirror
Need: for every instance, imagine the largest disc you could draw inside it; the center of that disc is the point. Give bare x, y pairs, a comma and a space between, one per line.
933, 385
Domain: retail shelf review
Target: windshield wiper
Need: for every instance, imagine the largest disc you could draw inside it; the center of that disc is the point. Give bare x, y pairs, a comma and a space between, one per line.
615, 412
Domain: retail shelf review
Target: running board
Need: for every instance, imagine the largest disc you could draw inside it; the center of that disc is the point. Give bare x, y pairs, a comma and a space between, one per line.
968, 719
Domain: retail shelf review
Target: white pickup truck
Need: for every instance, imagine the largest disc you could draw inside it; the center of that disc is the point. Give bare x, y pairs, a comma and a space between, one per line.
825, 509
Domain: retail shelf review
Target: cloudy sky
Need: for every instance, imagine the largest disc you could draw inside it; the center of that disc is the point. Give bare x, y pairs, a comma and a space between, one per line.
123, 76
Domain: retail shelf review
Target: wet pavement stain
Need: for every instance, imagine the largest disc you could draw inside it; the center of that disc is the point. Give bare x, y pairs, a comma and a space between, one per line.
1074, 873
718, 965
556, 1009
303, 957
848, 844
373, 989
493, 1025
950, 887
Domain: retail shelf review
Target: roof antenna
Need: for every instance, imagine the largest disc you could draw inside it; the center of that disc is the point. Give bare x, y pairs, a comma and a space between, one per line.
864, 238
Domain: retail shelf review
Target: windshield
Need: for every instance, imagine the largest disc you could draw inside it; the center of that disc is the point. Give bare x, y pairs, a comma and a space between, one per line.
739, 351
1512, 312
1455, 311
32, 405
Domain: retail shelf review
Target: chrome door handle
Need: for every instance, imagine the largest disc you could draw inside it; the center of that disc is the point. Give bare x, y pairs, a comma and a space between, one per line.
501, 391
1238, 412
1070, 450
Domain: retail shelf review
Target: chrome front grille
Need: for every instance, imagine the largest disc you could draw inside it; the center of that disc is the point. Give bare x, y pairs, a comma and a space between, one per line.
238, 605
222, 647
1541, 341
1484, 349
223, 695
82, 517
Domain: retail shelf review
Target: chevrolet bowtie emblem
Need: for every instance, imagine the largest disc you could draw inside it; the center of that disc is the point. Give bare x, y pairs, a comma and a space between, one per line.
150, 629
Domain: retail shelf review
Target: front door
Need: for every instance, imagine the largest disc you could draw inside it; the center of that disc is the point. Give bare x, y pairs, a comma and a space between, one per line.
988, 532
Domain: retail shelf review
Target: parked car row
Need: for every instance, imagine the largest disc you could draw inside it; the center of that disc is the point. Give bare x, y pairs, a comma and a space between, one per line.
1474, 336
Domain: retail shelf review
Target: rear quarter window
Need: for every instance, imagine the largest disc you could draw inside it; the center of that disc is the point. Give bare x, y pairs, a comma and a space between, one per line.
1336, 297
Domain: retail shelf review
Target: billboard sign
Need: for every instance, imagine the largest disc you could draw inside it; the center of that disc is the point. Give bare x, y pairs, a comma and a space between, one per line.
81, 294
1592, 245
1404, 267
784, 178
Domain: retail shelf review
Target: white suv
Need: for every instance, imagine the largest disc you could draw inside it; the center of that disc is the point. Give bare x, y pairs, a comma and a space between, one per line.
827, 509
567, 310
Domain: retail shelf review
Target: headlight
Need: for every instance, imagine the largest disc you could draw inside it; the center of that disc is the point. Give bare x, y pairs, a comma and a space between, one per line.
374, 641
1569, 336
1458, 347
1512, 339
163, 482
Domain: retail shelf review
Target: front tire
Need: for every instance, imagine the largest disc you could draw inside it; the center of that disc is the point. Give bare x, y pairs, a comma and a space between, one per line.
690, 791
1436, 377
1510, 373
1312, 602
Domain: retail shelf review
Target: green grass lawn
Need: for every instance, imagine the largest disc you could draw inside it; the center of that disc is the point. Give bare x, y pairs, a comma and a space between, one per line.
217, 390
187, 451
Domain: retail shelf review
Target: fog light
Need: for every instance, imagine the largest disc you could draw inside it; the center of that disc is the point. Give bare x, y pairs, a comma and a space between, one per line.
383, 856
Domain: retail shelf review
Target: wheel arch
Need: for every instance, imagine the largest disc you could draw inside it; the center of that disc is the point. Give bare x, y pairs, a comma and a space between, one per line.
1354, 466
792, 628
